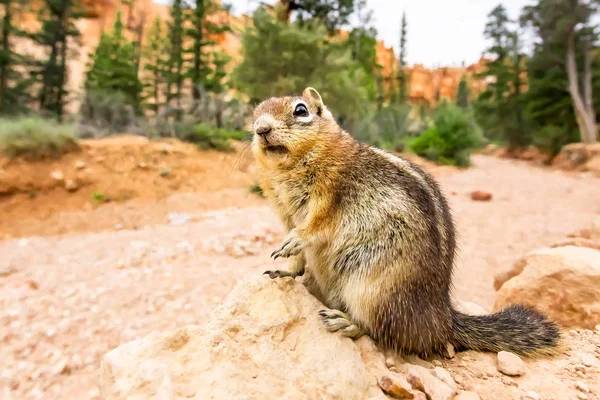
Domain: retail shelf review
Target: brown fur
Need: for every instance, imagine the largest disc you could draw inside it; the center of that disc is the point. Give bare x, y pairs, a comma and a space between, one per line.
378, 236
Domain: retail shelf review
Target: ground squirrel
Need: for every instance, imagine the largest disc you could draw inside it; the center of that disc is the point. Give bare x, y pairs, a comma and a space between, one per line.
377, 235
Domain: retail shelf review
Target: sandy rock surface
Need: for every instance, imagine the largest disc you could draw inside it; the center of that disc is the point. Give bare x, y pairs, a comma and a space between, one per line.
122, 271
266, 342
563, 282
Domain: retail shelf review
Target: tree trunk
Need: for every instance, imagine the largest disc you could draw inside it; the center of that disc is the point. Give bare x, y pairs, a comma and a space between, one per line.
199, 14
585, 120
587, 92
6, 48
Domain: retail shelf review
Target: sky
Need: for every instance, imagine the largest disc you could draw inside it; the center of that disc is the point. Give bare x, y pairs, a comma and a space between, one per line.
439, 32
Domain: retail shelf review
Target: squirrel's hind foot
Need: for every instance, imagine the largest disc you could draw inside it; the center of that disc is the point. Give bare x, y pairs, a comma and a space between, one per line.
338, 321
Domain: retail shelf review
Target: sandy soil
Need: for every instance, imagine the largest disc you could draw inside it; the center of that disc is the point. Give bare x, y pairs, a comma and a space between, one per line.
66, 300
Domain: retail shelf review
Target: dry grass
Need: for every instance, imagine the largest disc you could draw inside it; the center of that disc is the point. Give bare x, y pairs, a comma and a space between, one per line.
35, 138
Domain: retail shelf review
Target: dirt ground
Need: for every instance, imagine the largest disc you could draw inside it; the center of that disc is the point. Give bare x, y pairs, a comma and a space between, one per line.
76, 283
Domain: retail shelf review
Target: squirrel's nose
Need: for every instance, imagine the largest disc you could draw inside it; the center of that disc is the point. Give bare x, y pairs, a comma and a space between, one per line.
262, 128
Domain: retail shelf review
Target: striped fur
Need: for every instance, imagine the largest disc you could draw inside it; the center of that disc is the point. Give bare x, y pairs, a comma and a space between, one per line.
377, 234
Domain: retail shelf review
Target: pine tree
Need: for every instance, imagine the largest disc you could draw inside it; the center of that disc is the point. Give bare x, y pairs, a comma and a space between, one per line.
201, 30
498, 107
565, 33
462, 93
176, 61
14, 96
283, 58
113, 66
58, 19
363, 44
331, 13
402, 76
155, 64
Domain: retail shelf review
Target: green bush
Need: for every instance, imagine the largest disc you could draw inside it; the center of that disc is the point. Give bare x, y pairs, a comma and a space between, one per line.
207, 137
103, 114
35, 138
388, 127
551, 139
451, 139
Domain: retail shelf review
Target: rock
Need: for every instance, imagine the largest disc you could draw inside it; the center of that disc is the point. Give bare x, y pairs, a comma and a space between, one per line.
469, 308
178, 218
582, 387
531, 395
425, 381
510, 364
272, 329
71, 185
589, 360
7, 269
80, 165
562, 282
397, 388
57, 175
593, 165
467, 396
578, 242
164, 172
450, 353
480, 195
445, 377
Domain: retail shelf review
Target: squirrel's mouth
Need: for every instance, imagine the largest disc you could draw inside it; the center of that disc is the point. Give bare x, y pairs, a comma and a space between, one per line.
276, 149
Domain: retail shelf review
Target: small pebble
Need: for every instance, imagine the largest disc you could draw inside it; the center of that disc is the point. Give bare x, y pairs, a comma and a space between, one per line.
389, 362
589, 360
80, 165
582, 386
531, 395
436, 363
467, 396
510, 364
582, 396
450, 350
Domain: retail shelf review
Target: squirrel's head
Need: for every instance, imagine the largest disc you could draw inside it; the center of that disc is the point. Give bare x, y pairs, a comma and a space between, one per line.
292, 125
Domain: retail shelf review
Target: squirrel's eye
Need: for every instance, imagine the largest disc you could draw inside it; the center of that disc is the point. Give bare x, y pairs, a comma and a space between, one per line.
301, 111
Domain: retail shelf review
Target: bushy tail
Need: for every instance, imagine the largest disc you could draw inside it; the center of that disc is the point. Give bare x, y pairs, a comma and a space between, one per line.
517, 329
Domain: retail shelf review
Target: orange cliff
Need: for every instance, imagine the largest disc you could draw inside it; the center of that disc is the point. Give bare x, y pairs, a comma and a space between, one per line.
425, 85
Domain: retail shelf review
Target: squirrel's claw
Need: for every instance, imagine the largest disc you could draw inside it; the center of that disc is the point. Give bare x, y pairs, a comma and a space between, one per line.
291, 246
279, 274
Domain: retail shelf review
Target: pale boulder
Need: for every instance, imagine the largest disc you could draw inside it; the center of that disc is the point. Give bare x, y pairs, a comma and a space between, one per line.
562, 282
266, 341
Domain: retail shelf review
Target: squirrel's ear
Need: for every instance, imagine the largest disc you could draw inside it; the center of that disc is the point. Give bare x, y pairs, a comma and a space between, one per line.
314, 97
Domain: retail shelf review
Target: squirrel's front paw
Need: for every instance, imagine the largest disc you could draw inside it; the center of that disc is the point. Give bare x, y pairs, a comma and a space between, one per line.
291, 246
281, 274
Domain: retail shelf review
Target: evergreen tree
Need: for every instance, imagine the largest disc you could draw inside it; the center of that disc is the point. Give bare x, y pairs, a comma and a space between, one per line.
13, 85
498, 107
462, 93
283, 58
155, 64
565, 33
363, 44
402, 76
58, 29
200, 32
333, 14
176, 61
113, 66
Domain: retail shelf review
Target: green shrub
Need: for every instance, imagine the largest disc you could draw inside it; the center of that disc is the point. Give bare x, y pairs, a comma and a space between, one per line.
207, 137
35, 138
388, 127
551, 139
451, 139
257, 190
104, 114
